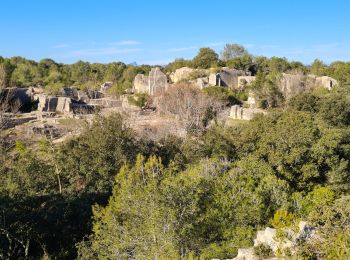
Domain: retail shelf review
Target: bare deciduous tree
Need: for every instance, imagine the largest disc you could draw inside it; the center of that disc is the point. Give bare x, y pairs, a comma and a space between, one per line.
193, 108
8, 104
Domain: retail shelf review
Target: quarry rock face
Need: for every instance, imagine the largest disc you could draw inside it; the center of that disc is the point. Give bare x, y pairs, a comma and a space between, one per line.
226, 78
201, 82
244, 81
64, 105
181, 74
268, 237
326, 82
153, 84
106, 86
158, 81
294, 84
141, 83
241, 113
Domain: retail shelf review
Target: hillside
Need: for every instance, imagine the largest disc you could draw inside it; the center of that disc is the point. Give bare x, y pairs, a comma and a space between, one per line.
191, 160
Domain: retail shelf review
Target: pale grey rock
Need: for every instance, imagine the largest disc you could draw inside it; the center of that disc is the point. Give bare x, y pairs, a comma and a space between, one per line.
158, 82
106, 86
202, 82
326, 82
181, 74
141, 84
153, 84
64, 105
293, 84
244, 81
213, 79
241, 113
226, 78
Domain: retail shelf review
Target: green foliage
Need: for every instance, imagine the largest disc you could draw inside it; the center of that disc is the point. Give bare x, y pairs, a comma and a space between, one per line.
305, 102
266, 89
201, 196
224, 94
205, 59
177, 64
139, 99
263, 250
282, 219
232, 51
244, 62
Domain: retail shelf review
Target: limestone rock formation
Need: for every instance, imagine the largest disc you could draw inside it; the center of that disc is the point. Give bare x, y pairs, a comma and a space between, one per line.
326, 82
158, 81
105, 86
268, 237
201, 82
64, 105
226, 78
181, 74
238, 112
153, 84
141, 83
294, 84
244, 81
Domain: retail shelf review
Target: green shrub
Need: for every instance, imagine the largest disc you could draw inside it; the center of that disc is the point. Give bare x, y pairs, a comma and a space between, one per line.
263, 250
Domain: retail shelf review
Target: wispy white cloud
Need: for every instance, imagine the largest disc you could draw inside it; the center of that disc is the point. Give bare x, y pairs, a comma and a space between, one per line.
156, 62
60, 46
181, 49
249, 45
125, 43
102, 51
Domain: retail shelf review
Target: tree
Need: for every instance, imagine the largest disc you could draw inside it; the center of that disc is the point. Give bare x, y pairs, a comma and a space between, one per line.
318, 67
134, 224
244, 62
6, 69
232, 51
205, 58
193, 108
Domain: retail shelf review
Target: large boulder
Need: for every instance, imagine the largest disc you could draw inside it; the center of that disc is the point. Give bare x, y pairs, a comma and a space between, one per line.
244, 81
294, 84
326, 82
64, 105
141, 83
183, 73
242, 113
158, 81
201, 82
226, 78
153, 84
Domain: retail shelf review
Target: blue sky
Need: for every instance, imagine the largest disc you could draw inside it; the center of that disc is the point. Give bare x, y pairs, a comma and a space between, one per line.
156, 32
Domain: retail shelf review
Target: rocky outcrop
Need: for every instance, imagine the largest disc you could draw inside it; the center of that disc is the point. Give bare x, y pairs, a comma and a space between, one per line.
106, 86
183, 73
49, 131
153, 84
158, 81
201, 82
141, 83
64, 105
294, 84
226, 78
241, 113
278, 245
326, 82
244, 81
